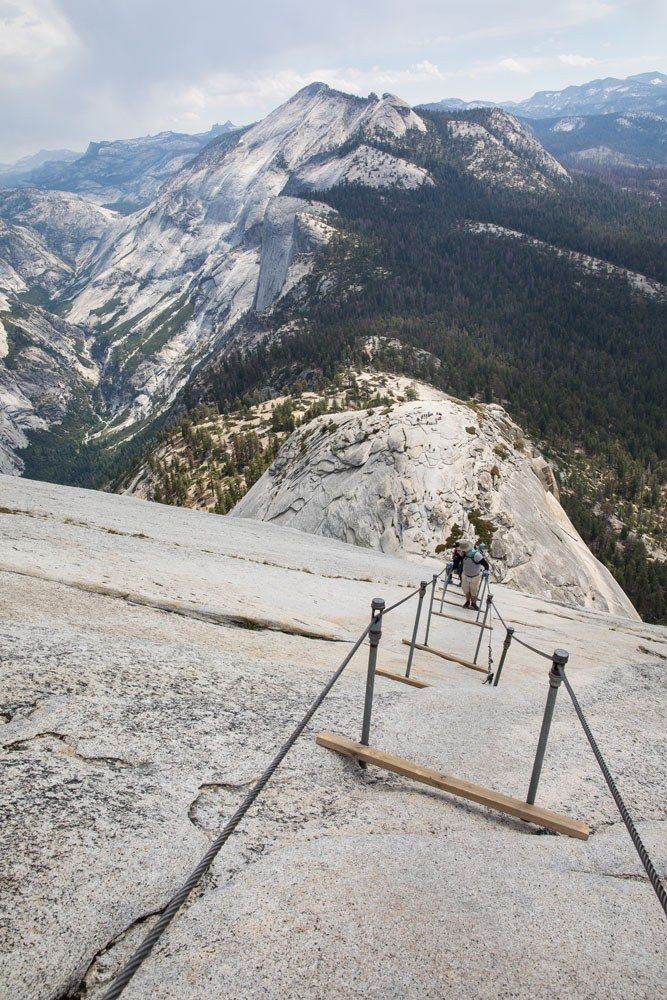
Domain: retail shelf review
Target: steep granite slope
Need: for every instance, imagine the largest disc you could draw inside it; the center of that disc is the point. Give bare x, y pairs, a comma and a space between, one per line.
46, 372
224, 234
153, 659
400, 480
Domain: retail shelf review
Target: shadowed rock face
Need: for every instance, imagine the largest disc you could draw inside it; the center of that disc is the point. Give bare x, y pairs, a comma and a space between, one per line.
400, 481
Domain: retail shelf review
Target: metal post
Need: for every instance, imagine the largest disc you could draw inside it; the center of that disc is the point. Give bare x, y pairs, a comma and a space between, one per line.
448, 580
506, 645
484, 588
430, 608
377, 605
489, 601
560, 658
422, 591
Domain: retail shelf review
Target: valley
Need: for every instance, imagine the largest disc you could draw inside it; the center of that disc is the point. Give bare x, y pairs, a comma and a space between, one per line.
280, 250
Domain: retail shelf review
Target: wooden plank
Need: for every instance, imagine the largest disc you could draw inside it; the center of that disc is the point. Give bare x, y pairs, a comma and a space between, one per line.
454, 604
457, 786
455, 618
412, 681
448, 656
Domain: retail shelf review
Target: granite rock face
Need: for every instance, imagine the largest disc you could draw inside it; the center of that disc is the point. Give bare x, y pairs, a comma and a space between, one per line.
154, 659
400, 481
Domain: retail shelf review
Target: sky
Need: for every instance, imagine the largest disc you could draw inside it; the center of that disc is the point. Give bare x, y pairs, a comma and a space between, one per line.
72, 71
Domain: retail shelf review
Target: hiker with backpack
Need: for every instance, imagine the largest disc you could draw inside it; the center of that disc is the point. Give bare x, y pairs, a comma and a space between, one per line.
474, 562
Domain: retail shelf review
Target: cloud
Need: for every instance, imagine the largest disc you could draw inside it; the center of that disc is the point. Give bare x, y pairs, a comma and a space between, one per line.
32, 31
514, 65
225, 94
75, 70
572, 60
521, 19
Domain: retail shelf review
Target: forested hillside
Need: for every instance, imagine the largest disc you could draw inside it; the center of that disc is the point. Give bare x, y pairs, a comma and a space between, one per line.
455, 243
574, 353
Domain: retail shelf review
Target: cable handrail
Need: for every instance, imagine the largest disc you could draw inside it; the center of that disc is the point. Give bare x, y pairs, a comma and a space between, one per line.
167, 914
392, 607
178, 899
533, 649
654, 878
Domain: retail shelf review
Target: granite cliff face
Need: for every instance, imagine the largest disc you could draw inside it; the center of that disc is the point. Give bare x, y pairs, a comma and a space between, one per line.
400, 480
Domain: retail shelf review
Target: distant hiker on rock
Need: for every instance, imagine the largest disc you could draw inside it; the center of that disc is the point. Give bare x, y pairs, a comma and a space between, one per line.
471, 573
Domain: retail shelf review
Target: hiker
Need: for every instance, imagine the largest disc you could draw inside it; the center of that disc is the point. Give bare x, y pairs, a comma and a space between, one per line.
457, 561
474, 562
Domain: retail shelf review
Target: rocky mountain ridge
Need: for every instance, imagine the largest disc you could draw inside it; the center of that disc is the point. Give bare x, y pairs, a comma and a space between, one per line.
640, 92
241, 278
124, 174
408, 477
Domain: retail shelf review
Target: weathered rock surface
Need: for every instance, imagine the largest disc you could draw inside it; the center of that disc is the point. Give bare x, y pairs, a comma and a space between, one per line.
399, 480
131, 733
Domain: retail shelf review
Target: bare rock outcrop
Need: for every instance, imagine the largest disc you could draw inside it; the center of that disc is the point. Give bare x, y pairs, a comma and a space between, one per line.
403, 478
137, 708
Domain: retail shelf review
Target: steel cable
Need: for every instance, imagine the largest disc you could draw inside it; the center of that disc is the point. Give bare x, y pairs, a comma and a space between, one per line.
654, 878
533, 649
176, 902
503, 622
391, 607
522, 642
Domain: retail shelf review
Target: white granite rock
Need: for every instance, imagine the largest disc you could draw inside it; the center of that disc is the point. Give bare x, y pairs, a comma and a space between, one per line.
401, 478
154, 658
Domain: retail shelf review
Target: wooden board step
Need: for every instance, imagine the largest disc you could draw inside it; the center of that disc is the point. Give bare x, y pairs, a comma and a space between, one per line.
412, 681
457, 786
448, 656
456, 618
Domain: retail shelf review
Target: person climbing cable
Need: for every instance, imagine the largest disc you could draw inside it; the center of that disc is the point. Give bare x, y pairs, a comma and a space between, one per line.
474, 562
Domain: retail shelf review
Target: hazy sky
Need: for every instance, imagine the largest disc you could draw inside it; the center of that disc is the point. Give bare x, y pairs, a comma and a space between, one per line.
75, 70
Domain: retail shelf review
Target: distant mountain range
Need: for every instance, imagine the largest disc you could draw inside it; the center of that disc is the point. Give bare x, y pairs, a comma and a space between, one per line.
607, 126
124, 174
258, 230
266, 257
642, 92
12, 173
627, 139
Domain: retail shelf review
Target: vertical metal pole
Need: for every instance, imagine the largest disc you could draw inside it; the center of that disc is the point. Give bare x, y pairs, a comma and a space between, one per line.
485, 587
489, 601
422, 590
377, 606
448, 580
560, 658
506, 645
430, 608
